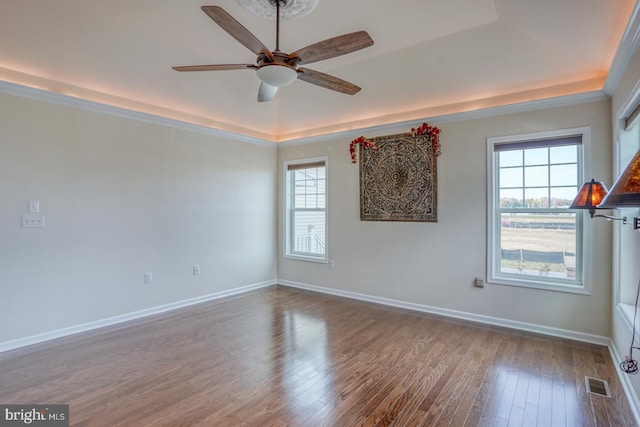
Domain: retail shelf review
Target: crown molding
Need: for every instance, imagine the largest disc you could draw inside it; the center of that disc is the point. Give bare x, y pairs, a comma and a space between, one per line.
626, 49
83, 104
521, 107
469, 114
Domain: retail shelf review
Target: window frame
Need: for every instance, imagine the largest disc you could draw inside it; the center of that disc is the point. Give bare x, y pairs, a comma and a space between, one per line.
289, 222
627, 121
582, 284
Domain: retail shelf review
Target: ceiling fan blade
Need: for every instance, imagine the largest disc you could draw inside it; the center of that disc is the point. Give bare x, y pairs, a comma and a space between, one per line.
266, 92
214, 67
327, 81
333, 47
236, 29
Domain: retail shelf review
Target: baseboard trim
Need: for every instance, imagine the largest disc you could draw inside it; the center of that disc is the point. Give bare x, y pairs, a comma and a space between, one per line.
72, 330
479, 318
626, 382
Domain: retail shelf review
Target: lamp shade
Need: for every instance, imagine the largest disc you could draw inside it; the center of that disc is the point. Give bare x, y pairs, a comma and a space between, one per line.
626, 190
589, 196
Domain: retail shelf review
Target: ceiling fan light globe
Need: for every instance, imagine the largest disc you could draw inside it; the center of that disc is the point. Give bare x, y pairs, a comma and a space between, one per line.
277, 75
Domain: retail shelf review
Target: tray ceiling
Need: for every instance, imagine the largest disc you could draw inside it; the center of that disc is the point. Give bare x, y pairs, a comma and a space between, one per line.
429, 56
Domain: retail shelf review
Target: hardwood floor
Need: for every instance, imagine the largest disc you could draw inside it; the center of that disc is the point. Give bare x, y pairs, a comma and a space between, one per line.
284, 357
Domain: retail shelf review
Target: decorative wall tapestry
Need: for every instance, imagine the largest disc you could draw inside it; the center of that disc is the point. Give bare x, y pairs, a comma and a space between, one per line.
398, 175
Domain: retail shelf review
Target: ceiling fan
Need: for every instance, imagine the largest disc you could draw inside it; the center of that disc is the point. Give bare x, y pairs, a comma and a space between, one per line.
277, 69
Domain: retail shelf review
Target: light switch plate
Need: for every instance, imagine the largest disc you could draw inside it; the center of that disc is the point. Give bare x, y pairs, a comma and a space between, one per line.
34, 206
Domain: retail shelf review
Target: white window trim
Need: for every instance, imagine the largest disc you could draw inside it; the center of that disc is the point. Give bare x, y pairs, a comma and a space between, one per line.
287, 212
625, 310
582, 244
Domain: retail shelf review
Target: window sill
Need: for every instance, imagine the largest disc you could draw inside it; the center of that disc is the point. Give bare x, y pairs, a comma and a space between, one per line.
306, 258
626, 313
556, 287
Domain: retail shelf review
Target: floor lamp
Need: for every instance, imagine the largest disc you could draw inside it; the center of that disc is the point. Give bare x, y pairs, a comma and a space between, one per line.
625, 193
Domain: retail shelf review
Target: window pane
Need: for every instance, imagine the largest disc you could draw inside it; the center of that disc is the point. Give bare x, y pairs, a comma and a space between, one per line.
536, 156
564, 175
545, 185
511, 198
301, 188
311, 201
536, 197
510, 177
510, 158
562, 197
539, 245
309, 232
566, 154
536, 176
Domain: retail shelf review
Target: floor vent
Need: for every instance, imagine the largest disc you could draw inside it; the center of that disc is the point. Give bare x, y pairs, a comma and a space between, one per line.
596, 386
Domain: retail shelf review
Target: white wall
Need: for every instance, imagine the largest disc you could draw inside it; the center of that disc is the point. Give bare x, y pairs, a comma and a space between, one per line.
120, 198
435, 264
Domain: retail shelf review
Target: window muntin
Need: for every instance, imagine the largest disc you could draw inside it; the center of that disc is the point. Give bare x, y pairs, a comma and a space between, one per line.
535, 239
306, 202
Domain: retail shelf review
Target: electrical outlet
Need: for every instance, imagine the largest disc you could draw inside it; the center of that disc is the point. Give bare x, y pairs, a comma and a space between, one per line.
196, 270
479, 282
32, 221
148, 278
332, 264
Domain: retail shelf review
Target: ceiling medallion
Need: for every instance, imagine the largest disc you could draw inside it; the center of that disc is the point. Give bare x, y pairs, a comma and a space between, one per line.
289, 9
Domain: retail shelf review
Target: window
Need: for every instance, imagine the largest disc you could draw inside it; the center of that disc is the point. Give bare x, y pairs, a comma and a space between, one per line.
306, 209
535, 240
626, 247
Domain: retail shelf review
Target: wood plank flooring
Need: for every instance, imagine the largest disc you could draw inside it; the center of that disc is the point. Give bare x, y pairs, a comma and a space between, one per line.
285, 357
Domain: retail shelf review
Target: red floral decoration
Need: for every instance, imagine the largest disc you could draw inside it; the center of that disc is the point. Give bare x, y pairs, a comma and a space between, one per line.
365, 144
425, 129
434, 136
